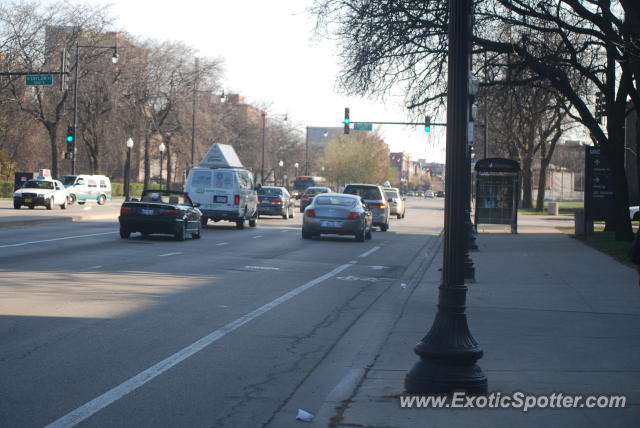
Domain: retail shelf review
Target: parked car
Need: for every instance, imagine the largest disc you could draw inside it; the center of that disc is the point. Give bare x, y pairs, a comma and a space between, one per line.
373, 195
396, 202
224, 194
83, 188
161, 211
273, 200
337, 214
410, 193
429, 194
440, 194
41, 191
309, 194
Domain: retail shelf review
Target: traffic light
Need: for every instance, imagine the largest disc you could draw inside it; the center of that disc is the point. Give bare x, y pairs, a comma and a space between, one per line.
347, 120
427, 124
601, 107
71, 137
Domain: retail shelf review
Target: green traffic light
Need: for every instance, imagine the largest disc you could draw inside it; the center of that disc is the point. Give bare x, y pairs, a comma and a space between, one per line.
347, 120
427, 129
70, 139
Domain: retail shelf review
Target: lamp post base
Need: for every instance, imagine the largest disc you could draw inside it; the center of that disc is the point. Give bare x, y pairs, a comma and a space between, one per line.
445, 377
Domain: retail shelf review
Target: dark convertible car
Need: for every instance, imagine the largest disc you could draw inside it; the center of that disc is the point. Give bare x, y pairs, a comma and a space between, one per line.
161, 211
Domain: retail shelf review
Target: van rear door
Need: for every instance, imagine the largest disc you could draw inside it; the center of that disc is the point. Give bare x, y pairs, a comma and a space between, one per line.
223, 189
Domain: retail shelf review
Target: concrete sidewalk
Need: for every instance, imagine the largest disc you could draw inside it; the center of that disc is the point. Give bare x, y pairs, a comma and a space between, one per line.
551, 314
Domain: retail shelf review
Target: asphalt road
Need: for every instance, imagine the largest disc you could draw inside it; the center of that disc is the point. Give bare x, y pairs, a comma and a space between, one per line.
238, 329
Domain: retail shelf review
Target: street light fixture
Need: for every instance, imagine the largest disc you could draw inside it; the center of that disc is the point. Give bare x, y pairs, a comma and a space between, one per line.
114, 59
162, 148
127, 171
281, 164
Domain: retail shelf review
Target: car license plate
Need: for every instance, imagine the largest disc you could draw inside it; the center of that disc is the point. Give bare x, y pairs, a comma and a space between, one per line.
331, 224
146, 212
220, 199
28, 201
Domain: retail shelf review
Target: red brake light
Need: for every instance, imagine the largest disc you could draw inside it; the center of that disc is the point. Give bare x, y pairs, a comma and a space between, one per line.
353, 216
278, 202
305, 197
126, 211
310, 213
237, 200
382, 206
170, 213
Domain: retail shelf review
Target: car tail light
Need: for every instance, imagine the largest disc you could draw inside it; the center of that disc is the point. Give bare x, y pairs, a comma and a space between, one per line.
310, 213
278, 202
305, 198
170, 213
375, 205
126, 211
353, 216
237, 200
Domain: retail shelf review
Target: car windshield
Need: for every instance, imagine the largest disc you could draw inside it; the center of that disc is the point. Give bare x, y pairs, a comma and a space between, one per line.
370, 193
37, 184
335, 200
315, 190
391, 194
165, 197
270, 191
68, 180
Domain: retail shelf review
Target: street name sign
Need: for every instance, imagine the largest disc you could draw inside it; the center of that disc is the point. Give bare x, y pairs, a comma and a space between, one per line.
362, 126
39, 79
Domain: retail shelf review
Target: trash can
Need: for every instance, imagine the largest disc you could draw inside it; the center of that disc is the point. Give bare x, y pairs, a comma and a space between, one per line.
581, 224
553, 208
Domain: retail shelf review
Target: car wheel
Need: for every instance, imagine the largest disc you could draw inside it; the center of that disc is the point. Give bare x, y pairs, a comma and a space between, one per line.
368, 234
384, 227
124, 233
101, 200
292, 213
361, 236
286, 214
203, 221
16, 206
399, 216
403, 213
81, 202
240, 223
253, 221
306, 235
181, 234
71, 199
31, 206
50, 203
64, 204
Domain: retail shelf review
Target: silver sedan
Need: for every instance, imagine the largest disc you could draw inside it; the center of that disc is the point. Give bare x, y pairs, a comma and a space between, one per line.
337, 214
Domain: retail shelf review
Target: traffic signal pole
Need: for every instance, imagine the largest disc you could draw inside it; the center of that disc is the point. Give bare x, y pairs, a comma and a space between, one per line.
75, 109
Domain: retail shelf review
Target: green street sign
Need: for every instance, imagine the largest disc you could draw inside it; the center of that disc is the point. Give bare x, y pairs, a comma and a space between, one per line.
39, 79
362, 126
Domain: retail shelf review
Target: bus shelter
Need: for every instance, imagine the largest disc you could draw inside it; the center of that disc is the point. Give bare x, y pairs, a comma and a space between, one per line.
497, 191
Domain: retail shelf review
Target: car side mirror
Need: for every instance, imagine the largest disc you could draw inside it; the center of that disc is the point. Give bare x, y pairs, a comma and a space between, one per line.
258, 187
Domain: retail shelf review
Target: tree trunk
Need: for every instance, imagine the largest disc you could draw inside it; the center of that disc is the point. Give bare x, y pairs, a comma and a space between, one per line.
52, 130
614, 151
527, 197
147, 166
542, 184
169, 167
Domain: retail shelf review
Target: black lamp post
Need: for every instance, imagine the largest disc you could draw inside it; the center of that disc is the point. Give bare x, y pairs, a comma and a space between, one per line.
264, 120
448, 353
114, 59
127, 171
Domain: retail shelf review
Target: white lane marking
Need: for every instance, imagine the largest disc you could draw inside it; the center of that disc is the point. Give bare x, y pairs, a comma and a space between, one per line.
222, 243
378, 267
93, 267
356, 278
94, 406
366, 253
262, 267
169, 254
284, 231
256, 237
55, 239
353, 262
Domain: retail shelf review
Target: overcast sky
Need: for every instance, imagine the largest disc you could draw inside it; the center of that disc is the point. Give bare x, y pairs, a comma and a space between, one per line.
271, 57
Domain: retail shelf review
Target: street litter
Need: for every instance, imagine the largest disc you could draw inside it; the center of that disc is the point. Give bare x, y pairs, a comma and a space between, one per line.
304, 416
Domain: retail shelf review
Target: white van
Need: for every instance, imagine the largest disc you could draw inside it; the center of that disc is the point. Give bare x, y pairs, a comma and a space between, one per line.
83, 188
224, 194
